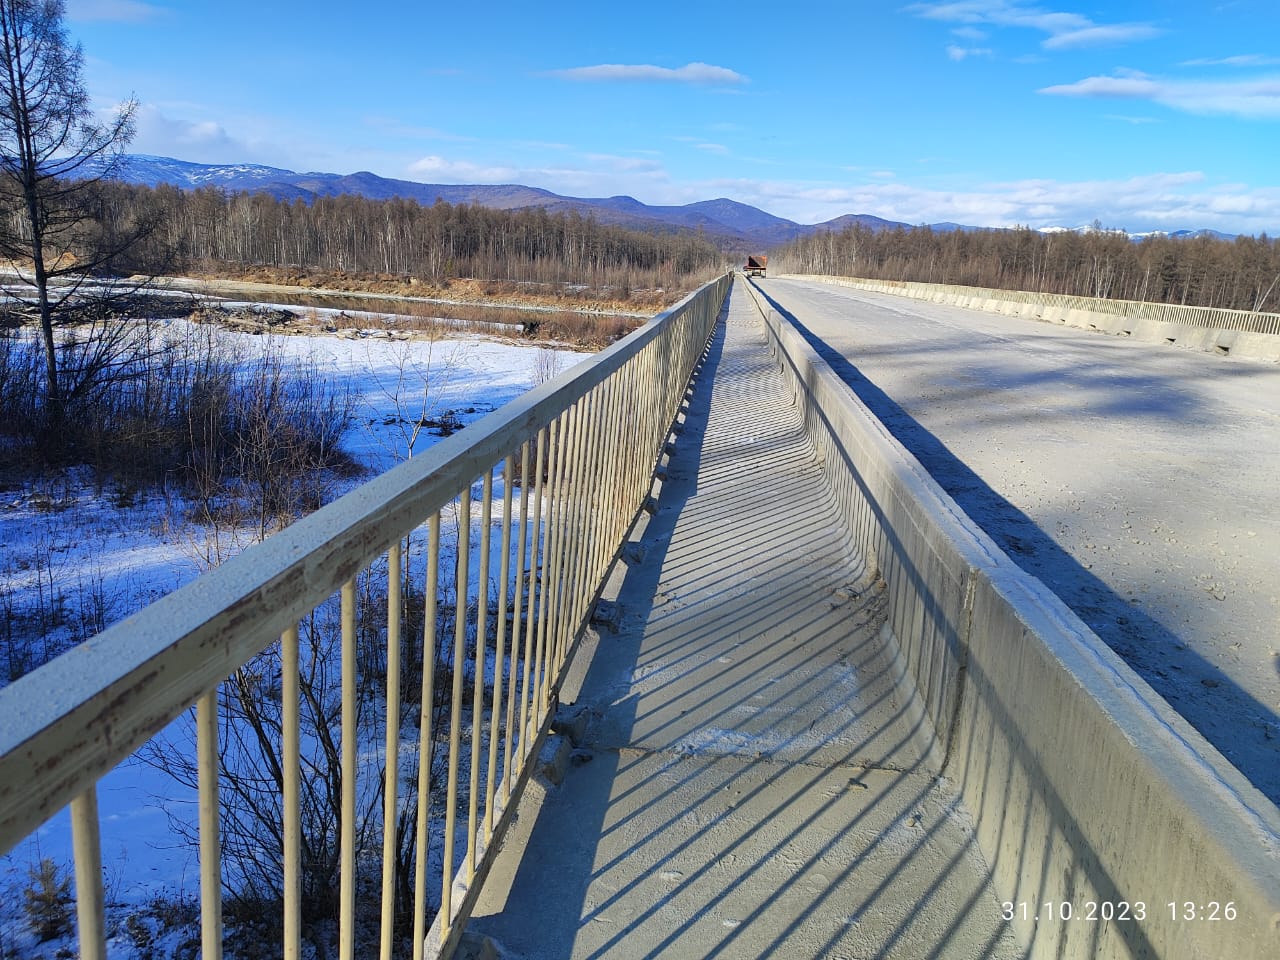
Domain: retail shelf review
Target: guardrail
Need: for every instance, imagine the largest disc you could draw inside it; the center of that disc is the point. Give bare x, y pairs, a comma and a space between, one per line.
1112, 828
580, 450
1214, 318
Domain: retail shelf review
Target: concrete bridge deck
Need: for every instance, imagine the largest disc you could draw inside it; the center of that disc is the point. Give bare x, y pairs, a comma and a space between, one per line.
749, 777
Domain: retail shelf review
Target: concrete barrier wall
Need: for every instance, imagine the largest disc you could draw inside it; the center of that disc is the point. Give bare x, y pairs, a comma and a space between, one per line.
1085, 786
1238, 333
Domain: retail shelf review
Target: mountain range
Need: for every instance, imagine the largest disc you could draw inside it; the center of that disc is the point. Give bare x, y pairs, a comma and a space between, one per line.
735, 226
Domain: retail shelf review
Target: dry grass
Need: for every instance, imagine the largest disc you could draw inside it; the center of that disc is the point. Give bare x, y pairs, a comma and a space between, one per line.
515, 293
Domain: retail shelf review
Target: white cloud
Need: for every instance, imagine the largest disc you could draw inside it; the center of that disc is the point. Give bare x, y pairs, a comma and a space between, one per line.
1096, 36
1127, 85
536, 144
701, 73
1128, 119
204, 141
1064, 29
957, 53
1255, 98
1240, 60
120, 11
595, 174
436, 169
623, 164
1167, 201
188, 131
1162, 200
719, 148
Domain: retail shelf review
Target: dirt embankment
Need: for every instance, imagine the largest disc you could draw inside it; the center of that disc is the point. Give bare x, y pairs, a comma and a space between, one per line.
510, 292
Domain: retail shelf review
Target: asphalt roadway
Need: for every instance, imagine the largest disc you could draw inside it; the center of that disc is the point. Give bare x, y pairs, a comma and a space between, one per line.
1140, 482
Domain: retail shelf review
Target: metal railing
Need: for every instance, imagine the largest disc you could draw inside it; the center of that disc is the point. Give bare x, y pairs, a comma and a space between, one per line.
1212, 318
559, 474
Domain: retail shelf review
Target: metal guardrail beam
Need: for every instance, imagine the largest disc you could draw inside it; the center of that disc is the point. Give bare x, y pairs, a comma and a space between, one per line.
581, 451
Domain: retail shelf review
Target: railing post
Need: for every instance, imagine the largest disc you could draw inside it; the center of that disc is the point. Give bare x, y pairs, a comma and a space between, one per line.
210, 844
290, 707
477, 685
455, 714
500, 654
347, 851
425, 742
391, 766
87, 846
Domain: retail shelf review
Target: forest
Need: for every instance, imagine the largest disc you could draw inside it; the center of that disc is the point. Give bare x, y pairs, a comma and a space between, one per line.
1204, 270
209, 229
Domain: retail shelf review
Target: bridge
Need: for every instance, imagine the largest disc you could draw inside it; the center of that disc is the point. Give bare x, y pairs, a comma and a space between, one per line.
716, 668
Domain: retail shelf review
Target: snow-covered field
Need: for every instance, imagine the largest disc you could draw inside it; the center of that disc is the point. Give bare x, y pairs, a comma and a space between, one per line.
76, 558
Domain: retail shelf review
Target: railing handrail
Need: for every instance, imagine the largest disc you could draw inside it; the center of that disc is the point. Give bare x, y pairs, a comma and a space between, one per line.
66, 724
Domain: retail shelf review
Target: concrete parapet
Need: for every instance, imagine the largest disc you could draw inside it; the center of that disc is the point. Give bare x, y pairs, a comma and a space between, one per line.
1087, 788
1195, 328
1111, 826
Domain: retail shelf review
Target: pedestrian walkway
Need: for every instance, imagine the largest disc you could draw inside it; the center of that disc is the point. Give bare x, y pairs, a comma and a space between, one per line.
750, 779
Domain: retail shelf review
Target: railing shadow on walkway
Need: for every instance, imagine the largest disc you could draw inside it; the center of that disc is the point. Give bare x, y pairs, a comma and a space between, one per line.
702, 827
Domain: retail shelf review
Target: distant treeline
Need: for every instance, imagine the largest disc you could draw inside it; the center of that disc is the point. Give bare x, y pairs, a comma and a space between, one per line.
1240, 274
402, 238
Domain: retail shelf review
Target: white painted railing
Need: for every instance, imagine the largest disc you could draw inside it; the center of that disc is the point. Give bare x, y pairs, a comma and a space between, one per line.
571, 462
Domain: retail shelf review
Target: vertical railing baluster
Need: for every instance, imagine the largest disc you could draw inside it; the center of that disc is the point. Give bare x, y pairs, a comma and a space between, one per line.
499, 651
555, 555
391, 766
527, 713
518, 630
462, 578
544, 587
585, 486
576, 533
422, 835
347, 843
210, 843
86, 842
600, 520
592, 503
626, 450
564, 542
477, 695
291, 756
564, 549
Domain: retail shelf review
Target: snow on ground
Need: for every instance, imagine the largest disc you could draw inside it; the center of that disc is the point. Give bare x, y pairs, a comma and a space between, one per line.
81, 557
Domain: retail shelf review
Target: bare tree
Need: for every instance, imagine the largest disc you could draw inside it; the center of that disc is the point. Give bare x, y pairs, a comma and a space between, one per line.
53, 156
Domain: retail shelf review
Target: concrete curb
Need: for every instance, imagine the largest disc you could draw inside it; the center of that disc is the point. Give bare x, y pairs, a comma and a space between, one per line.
1091, 795
1202, 336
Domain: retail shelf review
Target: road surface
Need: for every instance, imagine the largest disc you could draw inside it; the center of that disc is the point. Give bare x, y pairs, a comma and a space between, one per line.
1140, 482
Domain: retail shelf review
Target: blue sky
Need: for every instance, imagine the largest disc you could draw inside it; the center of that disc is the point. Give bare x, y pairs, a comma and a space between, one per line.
1157, 115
